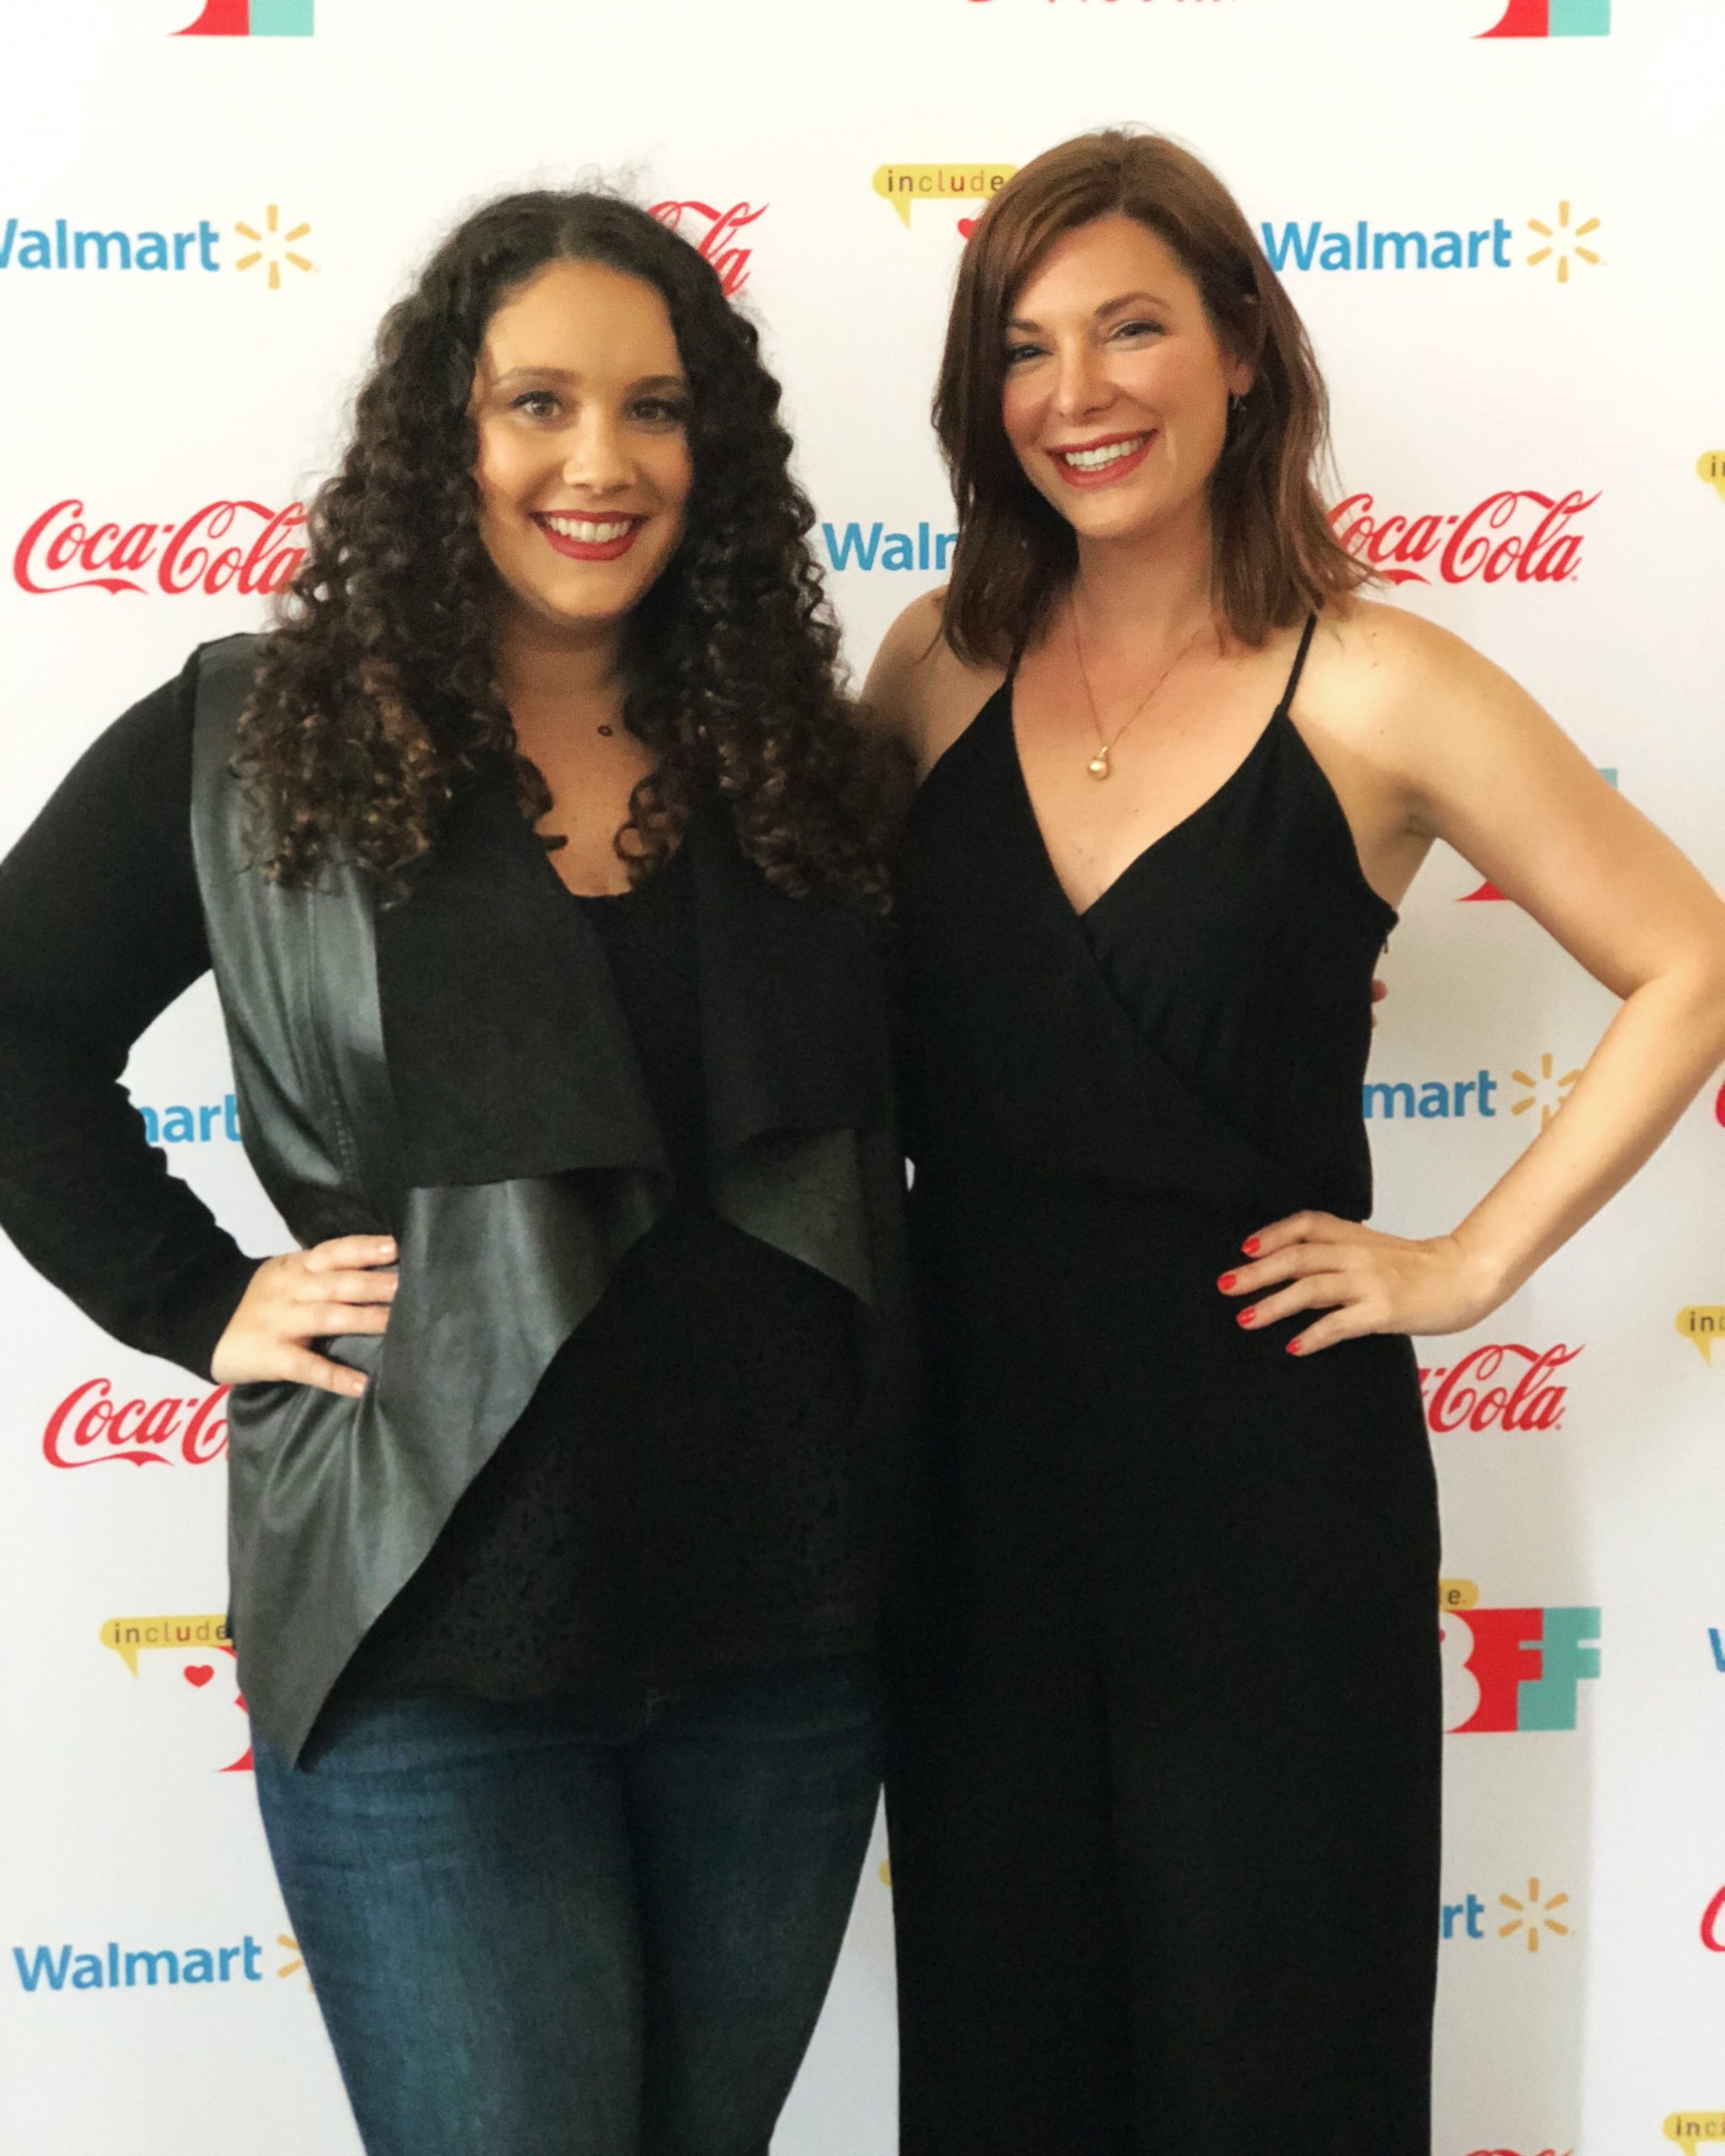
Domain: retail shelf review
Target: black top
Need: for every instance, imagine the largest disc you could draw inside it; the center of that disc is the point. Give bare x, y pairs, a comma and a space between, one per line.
1198, 892
681, 1493
1238, 945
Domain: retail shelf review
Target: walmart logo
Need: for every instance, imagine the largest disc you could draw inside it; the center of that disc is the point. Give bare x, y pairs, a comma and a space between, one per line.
870, 547
116, 1968
252, 19
1433, 1100
1558, 241
198, 1124
268, 247
1528, 1917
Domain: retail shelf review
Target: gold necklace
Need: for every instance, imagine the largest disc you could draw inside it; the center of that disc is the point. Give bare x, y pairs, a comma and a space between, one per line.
1101, 764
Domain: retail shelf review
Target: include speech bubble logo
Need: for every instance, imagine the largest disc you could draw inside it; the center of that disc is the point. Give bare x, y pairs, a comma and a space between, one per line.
1711, 466
903, 186
1689, 2128
130, 1637
1703, 1323
1457, 1594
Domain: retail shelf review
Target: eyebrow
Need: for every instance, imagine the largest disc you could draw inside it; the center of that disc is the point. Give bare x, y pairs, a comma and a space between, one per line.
566, 374
1115, 306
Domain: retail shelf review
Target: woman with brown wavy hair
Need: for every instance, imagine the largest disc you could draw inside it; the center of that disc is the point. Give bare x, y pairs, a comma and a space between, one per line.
1164, 1796
538, 865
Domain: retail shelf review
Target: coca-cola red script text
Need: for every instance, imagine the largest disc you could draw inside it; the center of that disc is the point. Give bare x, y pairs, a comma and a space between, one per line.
62, 551
1520, 534
90, 1426
712, 232
1462, 1395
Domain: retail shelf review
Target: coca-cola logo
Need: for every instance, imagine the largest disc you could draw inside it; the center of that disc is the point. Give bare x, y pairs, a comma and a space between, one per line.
713, 232
239, 546
1520, 534
1504, 1386
91, 1428
1713, 1924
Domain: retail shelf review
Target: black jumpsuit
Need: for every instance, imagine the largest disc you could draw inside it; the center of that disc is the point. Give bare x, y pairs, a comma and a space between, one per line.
1165, 1807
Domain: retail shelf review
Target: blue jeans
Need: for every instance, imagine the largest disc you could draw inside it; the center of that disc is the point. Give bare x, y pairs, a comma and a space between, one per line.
568, 1930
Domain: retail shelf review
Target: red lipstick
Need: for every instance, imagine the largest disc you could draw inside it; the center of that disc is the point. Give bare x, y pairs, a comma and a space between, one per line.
1105, 474
588, 549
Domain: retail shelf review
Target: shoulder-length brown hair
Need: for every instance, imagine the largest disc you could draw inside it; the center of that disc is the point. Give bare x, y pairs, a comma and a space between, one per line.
1277, 559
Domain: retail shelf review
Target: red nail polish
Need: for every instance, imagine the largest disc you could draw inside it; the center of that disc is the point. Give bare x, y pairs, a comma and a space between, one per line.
1296, 1346
1227, 1281
1251, 1245
1248, 1317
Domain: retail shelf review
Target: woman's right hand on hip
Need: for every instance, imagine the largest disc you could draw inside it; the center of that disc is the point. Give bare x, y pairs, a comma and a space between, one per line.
303, 1296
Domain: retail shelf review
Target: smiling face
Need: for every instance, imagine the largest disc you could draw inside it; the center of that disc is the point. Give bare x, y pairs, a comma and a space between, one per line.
581, 406
1115, 397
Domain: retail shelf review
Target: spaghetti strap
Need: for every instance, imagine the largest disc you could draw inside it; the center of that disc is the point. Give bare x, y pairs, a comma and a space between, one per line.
1288, 694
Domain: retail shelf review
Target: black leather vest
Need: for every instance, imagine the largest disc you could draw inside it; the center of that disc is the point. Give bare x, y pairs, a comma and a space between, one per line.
453, 1069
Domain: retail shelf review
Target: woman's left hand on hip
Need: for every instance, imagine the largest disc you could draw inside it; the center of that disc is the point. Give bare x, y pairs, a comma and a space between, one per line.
1363, 1280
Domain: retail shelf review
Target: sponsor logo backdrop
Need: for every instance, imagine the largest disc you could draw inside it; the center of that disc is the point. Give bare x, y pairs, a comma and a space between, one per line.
1497, 223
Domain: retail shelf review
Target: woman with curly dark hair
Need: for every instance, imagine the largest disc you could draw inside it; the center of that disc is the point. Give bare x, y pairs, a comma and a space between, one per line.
539, 869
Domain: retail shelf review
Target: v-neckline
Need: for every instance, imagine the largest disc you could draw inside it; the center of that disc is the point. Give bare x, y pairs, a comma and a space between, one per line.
1210, 801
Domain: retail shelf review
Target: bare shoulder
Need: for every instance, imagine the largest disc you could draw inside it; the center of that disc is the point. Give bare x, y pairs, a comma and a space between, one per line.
918, 690
1433, 719
1375, 658
1384, 683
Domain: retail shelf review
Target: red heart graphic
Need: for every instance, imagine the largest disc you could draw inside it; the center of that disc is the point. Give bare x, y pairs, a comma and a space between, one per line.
198, 1674
966, 227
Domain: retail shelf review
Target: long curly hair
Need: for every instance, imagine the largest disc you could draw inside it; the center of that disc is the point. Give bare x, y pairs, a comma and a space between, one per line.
376, 691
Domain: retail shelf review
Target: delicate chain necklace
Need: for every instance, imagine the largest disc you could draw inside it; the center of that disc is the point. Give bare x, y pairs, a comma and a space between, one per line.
1101, 764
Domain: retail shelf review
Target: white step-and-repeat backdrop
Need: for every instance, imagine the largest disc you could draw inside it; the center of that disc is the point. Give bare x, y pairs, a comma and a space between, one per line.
1503, 230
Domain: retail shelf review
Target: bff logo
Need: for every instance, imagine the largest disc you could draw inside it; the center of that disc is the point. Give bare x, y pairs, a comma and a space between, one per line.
1554, 18
253, 18
130, 1637
1507, 1670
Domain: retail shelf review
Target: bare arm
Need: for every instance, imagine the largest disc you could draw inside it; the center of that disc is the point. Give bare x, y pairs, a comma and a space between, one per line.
917, 691
1499, 782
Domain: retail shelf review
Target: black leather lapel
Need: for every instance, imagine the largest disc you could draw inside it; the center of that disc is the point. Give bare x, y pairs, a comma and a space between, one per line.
794, 1004
509, 1055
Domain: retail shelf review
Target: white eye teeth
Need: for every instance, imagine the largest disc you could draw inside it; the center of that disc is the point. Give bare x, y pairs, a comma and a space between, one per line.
1093, 460
590, 533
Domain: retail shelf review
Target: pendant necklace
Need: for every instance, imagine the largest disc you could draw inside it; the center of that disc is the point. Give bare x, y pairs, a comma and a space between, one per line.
1101, 764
